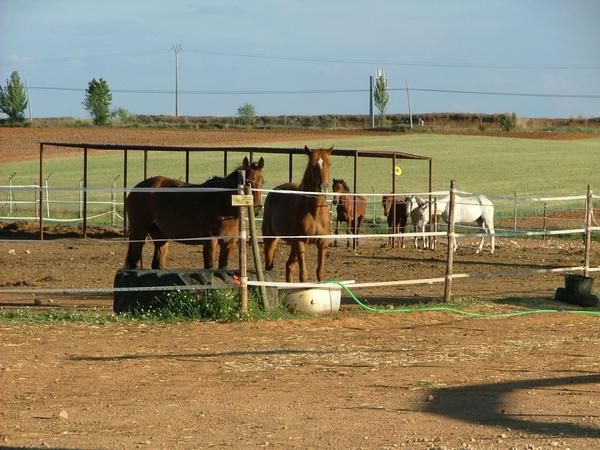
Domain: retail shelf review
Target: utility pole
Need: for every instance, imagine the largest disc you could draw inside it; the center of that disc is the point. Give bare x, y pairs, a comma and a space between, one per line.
409, 105
28, 101
371, 112
176, 48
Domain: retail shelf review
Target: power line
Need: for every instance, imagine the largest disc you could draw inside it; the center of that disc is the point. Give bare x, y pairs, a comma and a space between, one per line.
508, 94
315, 59
456, 65
321, 91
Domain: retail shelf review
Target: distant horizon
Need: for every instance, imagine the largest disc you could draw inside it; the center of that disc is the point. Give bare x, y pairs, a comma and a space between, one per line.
446, 113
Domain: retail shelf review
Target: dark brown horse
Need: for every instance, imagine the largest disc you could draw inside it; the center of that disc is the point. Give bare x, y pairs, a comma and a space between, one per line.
187, 216
397, 210
350, 209
289, 214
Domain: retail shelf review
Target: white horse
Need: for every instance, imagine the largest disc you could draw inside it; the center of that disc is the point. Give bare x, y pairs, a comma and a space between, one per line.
471, 209
419, 217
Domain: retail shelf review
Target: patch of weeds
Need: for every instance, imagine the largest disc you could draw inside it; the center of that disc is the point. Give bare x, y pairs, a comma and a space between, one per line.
221, 305
28, 315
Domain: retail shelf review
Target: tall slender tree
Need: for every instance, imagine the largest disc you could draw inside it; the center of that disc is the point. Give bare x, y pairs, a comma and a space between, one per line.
97, 101
13, 98
380, 95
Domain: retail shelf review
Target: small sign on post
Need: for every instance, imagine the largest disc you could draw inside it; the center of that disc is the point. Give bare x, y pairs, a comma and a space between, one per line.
242, 200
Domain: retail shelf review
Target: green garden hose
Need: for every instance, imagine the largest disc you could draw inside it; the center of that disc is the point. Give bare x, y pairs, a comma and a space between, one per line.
456, 310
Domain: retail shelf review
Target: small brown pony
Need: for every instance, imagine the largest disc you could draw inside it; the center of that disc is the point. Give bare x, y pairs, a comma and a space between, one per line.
350, 209
288, 215
397, 210
188, 216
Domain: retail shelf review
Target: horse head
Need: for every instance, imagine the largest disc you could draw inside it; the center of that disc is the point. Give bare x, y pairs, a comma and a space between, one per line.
254, 177
386, 203
338, 186
317, 173
390, 201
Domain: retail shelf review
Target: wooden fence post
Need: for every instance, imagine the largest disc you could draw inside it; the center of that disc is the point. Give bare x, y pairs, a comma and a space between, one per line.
544, 221
434, 221
242, 247
451, 237
589, 210
260, 276
515, 211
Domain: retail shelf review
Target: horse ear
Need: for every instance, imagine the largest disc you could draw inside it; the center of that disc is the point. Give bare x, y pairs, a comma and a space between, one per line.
330, 150
261, 162
307, 150
246, 163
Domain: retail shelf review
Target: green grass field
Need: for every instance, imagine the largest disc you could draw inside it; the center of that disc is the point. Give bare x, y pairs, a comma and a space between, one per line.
484, 165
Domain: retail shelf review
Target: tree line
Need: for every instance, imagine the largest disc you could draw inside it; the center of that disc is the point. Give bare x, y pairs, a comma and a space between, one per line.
98, 98
97, 102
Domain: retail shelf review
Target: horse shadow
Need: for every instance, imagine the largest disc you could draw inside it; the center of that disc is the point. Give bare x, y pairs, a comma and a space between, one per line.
483, 404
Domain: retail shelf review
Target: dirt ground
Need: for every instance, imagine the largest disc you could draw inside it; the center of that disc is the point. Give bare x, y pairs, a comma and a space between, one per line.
427, 380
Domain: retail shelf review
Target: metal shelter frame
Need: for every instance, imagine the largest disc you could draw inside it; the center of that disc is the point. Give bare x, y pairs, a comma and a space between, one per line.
126, 148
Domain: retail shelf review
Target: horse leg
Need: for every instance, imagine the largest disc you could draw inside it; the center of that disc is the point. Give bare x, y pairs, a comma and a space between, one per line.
321, 255
348, 231
270, 245
137, 239
481, 224
161, 251
209, 249
291, 263
226, 248
358, 223
425, 239
337, 226
402, 229
416, 229
301, 258
133, 260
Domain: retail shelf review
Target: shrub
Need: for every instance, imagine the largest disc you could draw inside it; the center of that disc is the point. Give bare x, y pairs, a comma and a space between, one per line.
247, 114
509, 122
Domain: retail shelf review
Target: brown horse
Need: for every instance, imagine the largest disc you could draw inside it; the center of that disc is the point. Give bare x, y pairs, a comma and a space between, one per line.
350, 209
397, 210
304, 215
188, 216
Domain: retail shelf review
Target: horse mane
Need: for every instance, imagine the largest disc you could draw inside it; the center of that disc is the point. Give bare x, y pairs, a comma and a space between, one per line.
230, 181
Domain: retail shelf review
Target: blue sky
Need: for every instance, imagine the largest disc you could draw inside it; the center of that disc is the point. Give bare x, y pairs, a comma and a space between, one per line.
307, 56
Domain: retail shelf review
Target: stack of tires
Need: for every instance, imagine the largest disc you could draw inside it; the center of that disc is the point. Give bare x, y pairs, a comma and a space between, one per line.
577, 291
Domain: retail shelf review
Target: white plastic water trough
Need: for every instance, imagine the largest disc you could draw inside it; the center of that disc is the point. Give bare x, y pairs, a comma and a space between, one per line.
323, 299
